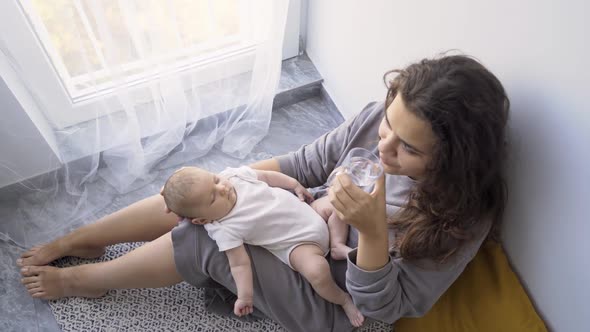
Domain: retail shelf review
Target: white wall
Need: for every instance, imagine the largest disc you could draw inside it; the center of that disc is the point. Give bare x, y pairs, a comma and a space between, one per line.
540, 51
292, 27
24, 153
27, 143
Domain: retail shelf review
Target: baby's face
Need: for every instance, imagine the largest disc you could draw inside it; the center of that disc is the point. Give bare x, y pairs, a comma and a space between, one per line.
214, 197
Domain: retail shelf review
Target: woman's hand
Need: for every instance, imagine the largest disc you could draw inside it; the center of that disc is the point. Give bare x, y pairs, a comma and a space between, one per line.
363, 211
366, 212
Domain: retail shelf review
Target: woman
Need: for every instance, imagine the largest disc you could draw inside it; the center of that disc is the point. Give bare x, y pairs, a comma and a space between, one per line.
440, 138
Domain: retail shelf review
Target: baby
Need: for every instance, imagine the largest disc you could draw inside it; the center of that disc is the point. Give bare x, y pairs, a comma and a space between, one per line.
242, 205
338, 229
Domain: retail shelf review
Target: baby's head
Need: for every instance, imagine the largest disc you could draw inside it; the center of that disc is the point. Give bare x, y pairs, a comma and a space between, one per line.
198, 195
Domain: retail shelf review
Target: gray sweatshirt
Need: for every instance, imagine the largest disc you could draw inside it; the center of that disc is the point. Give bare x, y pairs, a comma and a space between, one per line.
401, 288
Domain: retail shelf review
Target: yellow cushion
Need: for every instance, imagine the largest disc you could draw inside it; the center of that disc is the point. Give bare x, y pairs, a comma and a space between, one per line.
486, 297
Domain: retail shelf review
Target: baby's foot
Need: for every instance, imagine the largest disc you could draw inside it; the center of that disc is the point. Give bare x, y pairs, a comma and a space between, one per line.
64, 246
339, 252
50, 283
354, 315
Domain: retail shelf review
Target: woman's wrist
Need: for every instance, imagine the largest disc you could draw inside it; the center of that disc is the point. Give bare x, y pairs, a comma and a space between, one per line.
373, 250
376, 233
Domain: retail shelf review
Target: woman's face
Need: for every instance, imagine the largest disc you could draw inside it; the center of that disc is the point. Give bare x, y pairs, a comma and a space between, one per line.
406, 141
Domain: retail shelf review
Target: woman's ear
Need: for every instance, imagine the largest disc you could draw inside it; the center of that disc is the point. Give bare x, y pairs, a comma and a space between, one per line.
199, 221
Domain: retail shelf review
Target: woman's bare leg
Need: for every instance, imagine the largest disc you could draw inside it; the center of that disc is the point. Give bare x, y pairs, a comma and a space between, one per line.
145, 220
149, 266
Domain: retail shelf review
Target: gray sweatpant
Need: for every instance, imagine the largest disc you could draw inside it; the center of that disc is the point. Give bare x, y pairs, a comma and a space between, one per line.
279, 292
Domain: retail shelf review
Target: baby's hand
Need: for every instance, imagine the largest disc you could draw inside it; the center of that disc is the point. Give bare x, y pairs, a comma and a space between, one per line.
303, 194
243, 307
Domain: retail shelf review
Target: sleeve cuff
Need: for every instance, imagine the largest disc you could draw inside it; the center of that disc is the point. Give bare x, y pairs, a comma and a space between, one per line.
360, 276
230, 245
286, 164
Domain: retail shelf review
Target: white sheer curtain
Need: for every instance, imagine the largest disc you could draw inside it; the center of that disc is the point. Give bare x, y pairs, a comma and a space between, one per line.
140, 79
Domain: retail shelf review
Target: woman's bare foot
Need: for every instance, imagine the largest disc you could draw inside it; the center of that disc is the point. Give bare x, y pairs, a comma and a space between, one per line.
339, 251
64, 246
352, 312
50, 283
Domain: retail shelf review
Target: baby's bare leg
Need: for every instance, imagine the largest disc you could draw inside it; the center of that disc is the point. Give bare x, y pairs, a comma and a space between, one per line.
149, 266
338, 236
145, 220
323, 207
338, 229
308, 259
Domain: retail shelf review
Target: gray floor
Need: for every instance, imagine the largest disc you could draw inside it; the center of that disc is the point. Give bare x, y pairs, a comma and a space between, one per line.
291, 127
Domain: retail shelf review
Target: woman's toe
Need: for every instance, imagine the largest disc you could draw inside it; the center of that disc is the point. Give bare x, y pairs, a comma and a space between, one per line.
32, 285
26, 271
28, 280
31, 252
39, 295
30, 271
35, 290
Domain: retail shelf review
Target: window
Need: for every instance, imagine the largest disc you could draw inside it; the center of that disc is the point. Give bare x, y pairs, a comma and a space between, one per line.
85, 50
99, 45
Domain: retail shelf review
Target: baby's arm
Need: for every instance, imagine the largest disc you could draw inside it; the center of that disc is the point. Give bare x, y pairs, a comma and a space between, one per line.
239, 263
278, 179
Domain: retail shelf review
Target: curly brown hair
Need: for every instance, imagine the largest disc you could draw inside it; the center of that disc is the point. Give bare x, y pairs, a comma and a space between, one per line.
464, 185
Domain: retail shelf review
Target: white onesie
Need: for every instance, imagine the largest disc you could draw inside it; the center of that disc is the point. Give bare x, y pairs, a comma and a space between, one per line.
265, 216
